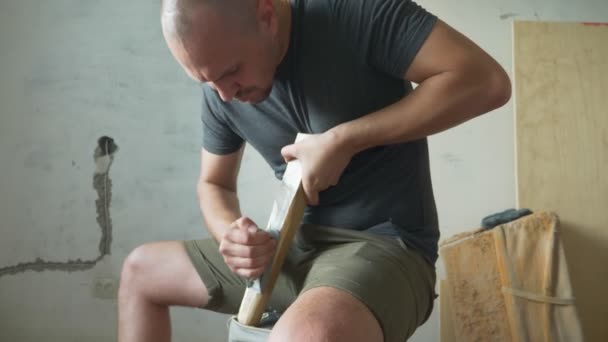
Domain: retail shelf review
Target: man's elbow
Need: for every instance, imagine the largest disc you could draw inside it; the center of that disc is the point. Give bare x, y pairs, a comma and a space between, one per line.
201, 188
497, 89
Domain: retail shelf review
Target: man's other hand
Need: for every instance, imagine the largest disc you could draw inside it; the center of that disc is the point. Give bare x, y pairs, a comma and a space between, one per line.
246, 249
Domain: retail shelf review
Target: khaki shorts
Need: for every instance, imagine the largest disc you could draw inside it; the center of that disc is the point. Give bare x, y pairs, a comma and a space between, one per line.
394, 281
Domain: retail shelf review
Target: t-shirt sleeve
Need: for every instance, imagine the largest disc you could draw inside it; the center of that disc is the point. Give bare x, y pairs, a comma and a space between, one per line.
218, 136
391, 31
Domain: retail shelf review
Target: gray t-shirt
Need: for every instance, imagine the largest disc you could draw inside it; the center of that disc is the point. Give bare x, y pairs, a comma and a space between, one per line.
346, 59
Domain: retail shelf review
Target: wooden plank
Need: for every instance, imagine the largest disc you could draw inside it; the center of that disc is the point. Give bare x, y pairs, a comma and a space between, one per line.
561, 106
284, 221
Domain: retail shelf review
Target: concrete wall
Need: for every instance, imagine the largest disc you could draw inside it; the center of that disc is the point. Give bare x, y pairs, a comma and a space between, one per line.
73, 71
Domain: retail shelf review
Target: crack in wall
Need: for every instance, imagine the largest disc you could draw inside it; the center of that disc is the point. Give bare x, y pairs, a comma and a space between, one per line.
103, 157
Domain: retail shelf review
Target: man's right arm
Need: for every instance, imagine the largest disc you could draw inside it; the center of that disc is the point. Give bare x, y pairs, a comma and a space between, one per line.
245, 248
217, 191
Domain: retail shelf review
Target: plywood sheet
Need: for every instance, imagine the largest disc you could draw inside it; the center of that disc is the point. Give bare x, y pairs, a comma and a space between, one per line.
561, 111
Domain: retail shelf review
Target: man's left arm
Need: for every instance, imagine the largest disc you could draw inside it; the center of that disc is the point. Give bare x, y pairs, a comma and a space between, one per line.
457, 81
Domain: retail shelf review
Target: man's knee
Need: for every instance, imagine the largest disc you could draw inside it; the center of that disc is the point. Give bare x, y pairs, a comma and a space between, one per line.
309, 328
319, 328
133, 266
327, 314
162, 273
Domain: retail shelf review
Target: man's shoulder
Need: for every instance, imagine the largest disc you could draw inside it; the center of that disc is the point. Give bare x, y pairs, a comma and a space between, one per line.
213, 104
210, 97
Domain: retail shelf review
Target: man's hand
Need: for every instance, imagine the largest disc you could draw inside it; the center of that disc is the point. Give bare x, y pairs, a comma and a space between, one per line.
323, 158
246, 249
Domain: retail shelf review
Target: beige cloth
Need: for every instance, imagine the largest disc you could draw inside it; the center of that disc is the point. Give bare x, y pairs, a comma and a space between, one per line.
511, 283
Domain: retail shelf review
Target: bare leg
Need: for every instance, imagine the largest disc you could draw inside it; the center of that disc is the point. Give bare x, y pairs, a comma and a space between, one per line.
327, 314
155, 276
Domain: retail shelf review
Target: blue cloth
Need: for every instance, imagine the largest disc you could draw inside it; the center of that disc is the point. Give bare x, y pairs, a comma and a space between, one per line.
502, 217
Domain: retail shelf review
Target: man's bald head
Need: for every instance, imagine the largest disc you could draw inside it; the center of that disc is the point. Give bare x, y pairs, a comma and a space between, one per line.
234, 46
180, 17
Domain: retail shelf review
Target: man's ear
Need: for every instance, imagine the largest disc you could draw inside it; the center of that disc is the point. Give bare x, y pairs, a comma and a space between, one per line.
267, 16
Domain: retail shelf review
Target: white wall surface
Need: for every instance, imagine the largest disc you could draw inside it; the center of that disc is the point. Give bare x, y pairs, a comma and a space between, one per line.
72, 71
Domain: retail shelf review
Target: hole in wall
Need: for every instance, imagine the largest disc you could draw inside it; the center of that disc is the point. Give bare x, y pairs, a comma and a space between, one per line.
106, 145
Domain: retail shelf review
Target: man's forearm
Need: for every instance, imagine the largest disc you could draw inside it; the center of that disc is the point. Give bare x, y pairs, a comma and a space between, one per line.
441, 102
219, 206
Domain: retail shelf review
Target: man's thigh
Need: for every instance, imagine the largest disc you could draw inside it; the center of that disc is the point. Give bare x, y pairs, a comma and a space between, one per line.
393, 281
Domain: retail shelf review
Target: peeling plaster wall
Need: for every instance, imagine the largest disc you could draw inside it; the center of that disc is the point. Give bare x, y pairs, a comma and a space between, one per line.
74, 71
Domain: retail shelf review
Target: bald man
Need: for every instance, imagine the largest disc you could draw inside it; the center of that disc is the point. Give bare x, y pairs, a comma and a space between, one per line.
362, 265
